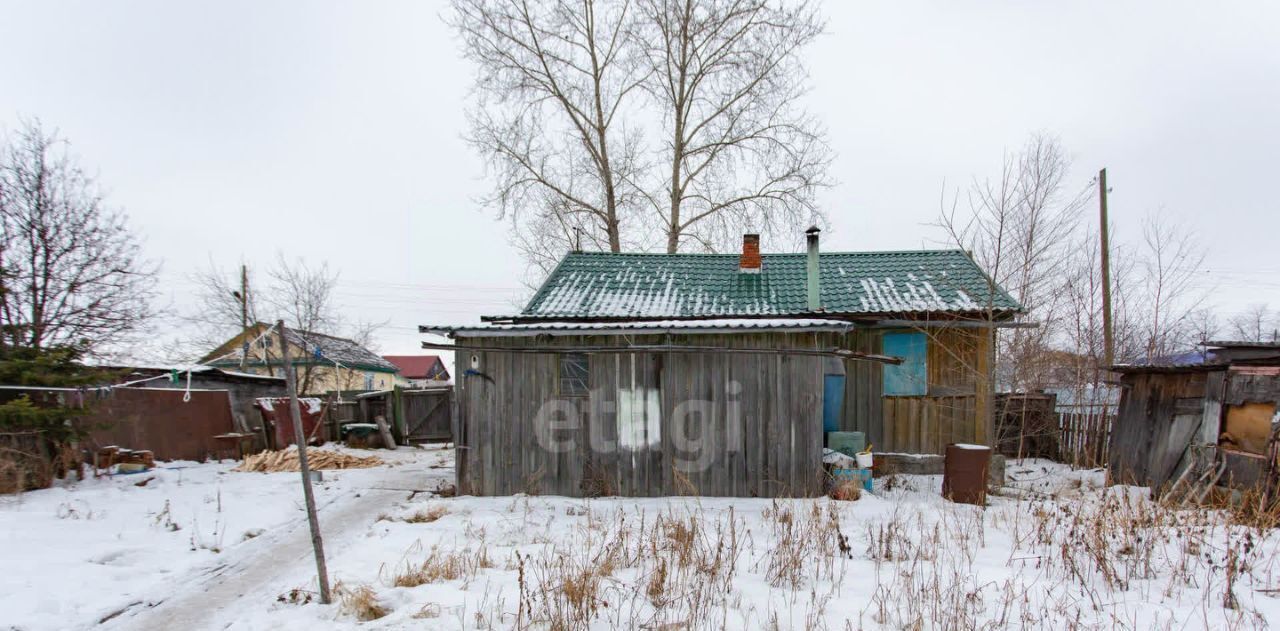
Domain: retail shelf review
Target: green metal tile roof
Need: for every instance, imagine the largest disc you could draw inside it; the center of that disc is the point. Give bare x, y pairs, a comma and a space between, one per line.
608, 285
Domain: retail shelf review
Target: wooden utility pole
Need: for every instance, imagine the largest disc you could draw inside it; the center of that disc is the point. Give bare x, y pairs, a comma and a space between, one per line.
1108, 335
244, 312
300, 437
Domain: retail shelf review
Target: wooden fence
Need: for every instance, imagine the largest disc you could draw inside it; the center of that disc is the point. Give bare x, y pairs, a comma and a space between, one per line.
415, 416
1085, 434
1026, 426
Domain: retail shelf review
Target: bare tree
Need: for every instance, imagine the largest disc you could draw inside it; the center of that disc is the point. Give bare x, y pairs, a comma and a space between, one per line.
1018, 229
295, 291
554, 85
302, 295
602, 119
1080, 333
1170, 259
73, 271
1203, 326
1258, 323
727, 78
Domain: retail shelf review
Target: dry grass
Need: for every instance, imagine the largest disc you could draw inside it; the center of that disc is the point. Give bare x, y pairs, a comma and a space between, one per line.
361, 602
846, 491
438, 566
429, 610
1085, 562
427, 515
1253, 510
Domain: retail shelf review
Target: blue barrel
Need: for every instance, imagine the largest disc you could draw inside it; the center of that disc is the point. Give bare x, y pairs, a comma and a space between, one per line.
832, 402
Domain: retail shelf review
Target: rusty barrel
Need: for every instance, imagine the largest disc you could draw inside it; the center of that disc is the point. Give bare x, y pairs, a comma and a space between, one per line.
964, 477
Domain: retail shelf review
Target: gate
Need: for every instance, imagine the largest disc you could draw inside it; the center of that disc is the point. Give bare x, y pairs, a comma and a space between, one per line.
428, 415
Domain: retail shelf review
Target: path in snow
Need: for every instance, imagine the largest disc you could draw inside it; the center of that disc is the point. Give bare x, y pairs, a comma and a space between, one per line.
284, 555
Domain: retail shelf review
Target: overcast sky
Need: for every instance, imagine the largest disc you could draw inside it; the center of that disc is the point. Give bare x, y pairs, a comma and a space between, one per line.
331, 130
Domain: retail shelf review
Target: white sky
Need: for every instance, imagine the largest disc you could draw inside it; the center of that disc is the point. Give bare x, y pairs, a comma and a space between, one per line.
331, 130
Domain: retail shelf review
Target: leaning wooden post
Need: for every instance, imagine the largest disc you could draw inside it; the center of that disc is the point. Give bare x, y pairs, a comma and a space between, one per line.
300, 437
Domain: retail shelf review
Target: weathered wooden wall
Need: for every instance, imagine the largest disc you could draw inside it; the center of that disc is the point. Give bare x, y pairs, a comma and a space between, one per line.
863, 387
953, 411
772, 449
1160, 415
779, 403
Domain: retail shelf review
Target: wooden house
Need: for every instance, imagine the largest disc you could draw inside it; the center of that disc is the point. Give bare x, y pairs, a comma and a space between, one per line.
719, 374
1211, 412
324, 363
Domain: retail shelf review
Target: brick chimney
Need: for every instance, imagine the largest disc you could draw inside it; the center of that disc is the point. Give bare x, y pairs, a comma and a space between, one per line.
749, 263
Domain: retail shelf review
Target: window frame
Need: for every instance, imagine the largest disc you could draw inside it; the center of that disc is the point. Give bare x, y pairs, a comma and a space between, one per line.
572, 360
910, 378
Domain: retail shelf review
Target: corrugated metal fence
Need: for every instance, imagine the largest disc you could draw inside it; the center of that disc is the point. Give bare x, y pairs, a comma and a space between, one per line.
159, 420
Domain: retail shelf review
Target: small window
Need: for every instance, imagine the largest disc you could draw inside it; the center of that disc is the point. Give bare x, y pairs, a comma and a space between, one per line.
573, 375
368, 381
907, 379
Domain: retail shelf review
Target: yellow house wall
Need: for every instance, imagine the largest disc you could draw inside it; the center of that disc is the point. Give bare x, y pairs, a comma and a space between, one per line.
324, 378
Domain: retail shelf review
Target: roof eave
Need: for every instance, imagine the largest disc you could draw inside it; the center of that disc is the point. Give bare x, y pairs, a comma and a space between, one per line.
852, 316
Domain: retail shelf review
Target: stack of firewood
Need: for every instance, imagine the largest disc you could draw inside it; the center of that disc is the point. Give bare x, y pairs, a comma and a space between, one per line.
287, 460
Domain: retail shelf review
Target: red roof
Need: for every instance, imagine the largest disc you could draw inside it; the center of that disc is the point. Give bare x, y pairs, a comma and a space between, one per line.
418, 366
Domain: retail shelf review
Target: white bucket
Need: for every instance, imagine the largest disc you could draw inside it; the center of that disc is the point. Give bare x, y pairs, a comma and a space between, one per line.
864, 460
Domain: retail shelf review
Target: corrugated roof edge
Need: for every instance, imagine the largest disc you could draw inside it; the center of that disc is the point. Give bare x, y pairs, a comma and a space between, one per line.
543, 288
707, 327
991, 282
851, 316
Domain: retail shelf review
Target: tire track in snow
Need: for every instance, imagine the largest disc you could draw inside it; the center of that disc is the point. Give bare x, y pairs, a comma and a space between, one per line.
286, 554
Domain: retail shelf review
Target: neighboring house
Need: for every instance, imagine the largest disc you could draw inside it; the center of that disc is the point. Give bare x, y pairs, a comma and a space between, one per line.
419, 371
719, 374
324, 363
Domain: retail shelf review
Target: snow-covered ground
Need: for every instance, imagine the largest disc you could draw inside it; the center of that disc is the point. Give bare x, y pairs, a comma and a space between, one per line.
107, 548
1066, 553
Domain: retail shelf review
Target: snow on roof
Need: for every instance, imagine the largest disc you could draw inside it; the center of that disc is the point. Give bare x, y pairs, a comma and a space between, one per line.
317, 347
619, 285
708, 326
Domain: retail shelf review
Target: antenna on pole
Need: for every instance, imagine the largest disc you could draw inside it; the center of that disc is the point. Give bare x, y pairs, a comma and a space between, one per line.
577, 239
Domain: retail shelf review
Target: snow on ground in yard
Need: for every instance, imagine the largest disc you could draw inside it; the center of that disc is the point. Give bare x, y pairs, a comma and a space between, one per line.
1047, 477
1073, 555
83, 550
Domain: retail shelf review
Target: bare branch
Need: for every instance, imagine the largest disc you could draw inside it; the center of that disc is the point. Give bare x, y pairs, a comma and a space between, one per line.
72, 270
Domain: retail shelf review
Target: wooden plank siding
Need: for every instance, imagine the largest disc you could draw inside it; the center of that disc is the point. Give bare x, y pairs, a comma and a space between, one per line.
701, 448
1158, 417
955, 410
758, 434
